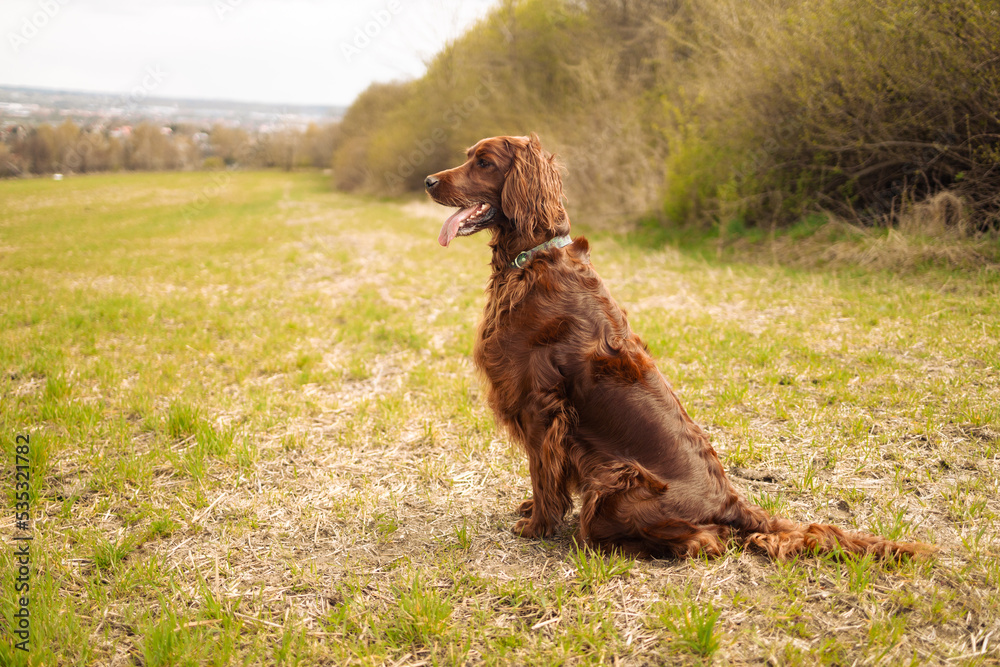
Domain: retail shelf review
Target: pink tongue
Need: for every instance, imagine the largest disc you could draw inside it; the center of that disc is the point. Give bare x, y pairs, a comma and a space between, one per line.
452, 224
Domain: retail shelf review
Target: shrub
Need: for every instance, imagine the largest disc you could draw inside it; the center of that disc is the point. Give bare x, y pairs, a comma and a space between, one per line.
761, 110
550, 67
855, 107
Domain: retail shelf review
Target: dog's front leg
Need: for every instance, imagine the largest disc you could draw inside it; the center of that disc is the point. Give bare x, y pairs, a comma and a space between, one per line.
547, 464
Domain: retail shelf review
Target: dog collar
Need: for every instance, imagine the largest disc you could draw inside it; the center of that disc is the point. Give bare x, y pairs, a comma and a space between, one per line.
524, 257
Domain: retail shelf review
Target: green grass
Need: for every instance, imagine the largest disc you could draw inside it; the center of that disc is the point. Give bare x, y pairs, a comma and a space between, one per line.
257, 438
694, 628
596, 568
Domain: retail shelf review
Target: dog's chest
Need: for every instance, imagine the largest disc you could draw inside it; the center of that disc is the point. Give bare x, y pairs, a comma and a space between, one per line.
502, 354
500, 357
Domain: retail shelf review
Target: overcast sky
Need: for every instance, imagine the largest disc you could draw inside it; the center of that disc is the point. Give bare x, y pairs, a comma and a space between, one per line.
279, 51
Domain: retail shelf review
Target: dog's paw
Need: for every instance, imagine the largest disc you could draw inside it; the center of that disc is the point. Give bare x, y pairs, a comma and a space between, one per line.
528, 528
525, 508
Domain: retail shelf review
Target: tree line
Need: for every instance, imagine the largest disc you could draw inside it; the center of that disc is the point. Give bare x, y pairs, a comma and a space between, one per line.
146, 146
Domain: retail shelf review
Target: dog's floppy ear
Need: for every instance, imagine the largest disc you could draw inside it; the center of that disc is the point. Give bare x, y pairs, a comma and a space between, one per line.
532, 190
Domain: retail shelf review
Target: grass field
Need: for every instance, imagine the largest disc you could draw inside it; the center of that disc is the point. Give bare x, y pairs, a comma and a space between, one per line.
256, 437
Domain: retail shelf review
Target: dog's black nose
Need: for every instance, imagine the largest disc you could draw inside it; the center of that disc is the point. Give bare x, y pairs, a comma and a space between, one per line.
430, 182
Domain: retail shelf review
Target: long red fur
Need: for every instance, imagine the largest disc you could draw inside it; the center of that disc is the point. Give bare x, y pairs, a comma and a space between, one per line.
577, 389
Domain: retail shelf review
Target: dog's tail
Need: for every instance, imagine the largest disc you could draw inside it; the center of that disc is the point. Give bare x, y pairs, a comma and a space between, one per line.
782, 538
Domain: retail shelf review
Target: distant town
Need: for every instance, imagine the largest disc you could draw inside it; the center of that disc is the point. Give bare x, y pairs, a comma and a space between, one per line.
30, 106
54, 131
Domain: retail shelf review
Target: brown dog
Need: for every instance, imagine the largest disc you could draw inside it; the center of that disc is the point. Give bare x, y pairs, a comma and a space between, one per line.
578, 390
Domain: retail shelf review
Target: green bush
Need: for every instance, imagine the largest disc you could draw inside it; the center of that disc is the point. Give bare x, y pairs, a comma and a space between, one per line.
761, 110
535, 65
846, 105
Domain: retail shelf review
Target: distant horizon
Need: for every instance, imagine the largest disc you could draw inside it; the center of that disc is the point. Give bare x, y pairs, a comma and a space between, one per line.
169, 98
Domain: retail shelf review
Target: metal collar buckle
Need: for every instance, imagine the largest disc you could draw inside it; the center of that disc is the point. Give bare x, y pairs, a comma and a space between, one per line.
524, 256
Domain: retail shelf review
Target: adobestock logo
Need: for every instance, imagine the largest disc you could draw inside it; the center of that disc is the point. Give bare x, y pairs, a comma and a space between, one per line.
452, 118
30, 25
363, 36
223, 7
151, 81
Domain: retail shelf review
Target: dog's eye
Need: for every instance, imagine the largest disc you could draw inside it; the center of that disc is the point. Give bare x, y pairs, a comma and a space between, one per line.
482, 163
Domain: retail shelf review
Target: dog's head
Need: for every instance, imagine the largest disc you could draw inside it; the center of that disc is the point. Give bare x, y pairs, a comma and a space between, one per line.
507, 183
